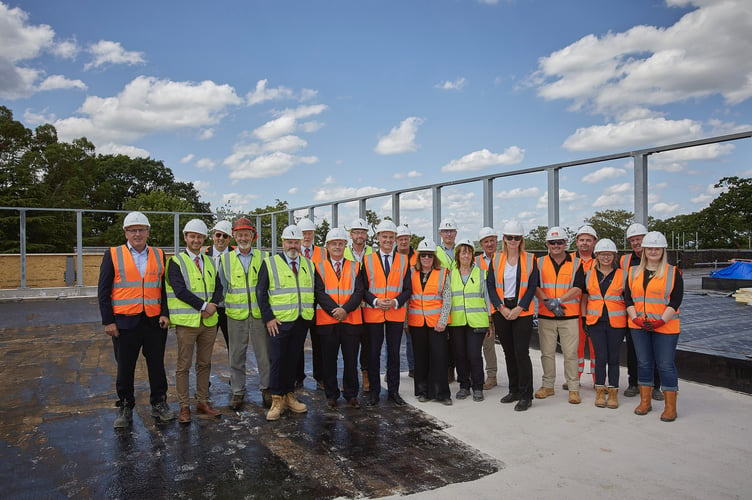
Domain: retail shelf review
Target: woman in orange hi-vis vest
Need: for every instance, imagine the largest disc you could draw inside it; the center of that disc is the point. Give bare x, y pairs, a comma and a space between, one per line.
653, 295
427, 318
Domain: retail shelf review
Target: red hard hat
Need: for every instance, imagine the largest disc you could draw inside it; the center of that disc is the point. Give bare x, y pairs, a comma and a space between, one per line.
244, 223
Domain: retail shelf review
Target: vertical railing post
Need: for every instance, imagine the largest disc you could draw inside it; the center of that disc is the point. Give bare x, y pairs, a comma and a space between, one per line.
553, 197
641, 189
79, 249
22, 245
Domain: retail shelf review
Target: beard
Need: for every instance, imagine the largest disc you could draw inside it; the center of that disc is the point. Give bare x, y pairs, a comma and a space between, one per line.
292, 253
244, 246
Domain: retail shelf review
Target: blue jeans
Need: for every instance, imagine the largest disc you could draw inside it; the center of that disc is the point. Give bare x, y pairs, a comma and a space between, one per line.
659, 349
606, 344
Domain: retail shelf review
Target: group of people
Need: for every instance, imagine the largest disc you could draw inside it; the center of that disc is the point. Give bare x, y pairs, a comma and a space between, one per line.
353, 298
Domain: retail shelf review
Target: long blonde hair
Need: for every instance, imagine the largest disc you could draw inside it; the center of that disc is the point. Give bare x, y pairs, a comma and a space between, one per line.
661, 265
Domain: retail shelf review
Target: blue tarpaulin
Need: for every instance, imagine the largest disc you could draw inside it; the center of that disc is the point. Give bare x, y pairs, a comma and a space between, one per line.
738, 271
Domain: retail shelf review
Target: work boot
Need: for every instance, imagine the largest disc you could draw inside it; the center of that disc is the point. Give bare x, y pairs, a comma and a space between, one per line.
600, 396
236, 402
544, 392
490, 382
657, 394
462, 393
669, 411
206, 409
185, 415
478, 395
366, 383
294, 405
631, 391
278, 405
124, 418
646, 392
613, 398
266, 397
162, 412
574, 397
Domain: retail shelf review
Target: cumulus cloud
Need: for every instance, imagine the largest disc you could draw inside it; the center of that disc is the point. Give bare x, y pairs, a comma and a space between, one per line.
457, 84
412, 174
401, 139
19, 42
287, 121
205, 134
110, 148
187, 158
603, 174
266, 165
109, 52
293, 190
519, 193
262, 93
240, 202
616, 196
711, 192
648, 131
665, 209
330, 193
416, 200
565, 196
66, 49
56, 82
205, 163
677, 160
479, 160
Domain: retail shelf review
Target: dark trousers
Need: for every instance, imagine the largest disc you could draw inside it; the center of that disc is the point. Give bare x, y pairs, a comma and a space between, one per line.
318, 372
333, 338
365, 349
514, 337
467, 349
431, 352
377, 332
222, 325
632, 364
607, 345
148, 338
285, 349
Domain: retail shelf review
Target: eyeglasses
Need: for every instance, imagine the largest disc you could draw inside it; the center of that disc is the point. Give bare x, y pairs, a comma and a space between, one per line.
426, 255
557, 242
136, 231
510, 237
221, 235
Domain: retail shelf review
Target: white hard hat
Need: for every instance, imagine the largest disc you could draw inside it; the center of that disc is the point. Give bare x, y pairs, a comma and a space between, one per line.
605, 245
306, 224
292, 232
513, 228
587, 230
636, 229
386, 226
336, 233
195, 226
135, 219
402, 230
427, 246
556, 233
223, 226
485, 232
654, 239
359, 224
448, 224
467, 242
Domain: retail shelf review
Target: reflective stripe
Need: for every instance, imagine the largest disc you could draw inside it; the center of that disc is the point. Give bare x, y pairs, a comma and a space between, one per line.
425, 307
525, 260
553, 289
131, 296
290, 294
469, 299
653, 307
200, 283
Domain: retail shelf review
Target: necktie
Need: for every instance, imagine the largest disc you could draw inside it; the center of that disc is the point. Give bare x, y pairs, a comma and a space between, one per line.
386, 265
308, 253
197, 260
294, 267
337, 269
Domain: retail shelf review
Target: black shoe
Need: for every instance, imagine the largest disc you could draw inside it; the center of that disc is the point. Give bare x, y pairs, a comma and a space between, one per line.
511, 397
478, 395
411, 373
423, 398
331, 404
353, 403
462, 394
523, 404
124, 417
372, 399
631, 391
447, 402
395, 398
161, 411
657, 394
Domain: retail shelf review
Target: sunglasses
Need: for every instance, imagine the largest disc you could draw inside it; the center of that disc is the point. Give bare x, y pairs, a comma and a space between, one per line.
557, 242
221, 235
509, 237
426, 255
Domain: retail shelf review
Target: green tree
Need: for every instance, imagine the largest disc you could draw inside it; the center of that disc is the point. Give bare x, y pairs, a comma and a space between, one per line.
265, 231
320, 234
727, 221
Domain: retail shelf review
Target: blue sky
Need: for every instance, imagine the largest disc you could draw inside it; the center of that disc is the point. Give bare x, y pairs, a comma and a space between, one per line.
313, 101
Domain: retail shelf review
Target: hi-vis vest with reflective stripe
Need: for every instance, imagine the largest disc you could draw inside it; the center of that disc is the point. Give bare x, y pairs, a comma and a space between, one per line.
469, 299
651, 303
480, 261
614, 300
290, 295
384, 287
444, 258
625, 262
526, 261
318, 253
132, 294
201, 285
587, 265
427, 304
554, 285
350, 255
240, 295
340, 290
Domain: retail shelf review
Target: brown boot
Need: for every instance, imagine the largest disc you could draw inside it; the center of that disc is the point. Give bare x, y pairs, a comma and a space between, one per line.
613, 397
600, 396
669, 412
366, 383
294, 405
206, 409
490, 383
278, 406
646, 392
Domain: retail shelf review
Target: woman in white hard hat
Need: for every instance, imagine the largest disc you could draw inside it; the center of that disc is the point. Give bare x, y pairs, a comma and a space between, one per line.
469, 320
653, 295
427, 318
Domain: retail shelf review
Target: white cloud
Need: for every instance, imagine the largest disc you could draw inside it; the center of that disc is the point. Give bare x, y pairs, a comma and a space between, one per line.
66, 49
565, 196
519, 193
664, 209
416, 200
201, 185
711, 192
187, 158
412, 174
121, 149
262, 94
56, 82
18, 40
457, 84
614, 197
268, 165
312, 126
240, 202
286, 144
206, 134
108, 52
479, 160
603, 174
342, 192
287, 122
633, 133
205, 163
308, 94
401, 139
293, 190
328, 180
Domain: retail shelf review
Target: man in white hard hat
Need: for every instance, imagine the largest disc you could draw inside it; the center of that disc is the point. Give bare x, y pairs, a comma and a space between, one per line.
384, 311
356, 251
585, 239
221, 234
339, 287
133, 305
286, 299
193, 292
558, 317
238, 271
489, 242
445, 249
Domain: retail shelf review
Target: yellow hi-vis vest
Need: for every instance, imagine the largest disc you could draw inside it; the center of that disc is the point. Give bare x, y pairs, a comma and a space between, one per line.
350, 255
290, 295
201, 285
468, 299
240, 295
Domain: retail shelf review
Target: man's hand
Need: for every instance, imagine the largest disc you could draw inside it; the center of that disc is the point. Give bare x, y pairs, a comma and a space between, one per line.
111, 330
385, 304
339, 314
211, 308
273, 327
164, 322
551, 304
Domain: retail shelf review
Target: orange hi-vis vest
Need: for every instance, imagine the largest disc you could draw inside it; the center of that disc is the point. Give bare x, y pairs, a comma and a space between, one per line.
480, 261
318, 252
651, 303
384, 287
587, 265
340, 290
132, 294
614, 300
526, 261
426, 305
554, 285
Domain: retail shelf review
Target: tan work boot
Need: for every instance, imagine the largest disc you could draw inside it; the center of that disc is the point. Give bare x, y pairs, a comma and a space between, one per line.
544, 392
646, 392
278, 406
669, 412
294, 405
490, 382
613, 397
366, 383
600, 396
574, 397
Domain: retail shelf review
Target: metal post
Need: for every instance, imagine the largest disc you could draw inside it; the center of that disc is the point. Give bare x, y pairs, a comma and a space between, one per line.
396, 208
22, 243
553, 197
488, 202
290, 217
335, 215
641, 189
436, 191
274, 234
176, 233
312, 215
79, 249
362, 209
